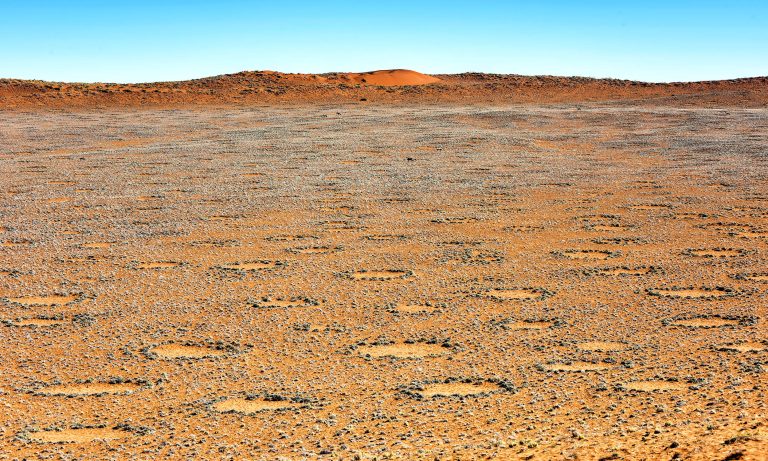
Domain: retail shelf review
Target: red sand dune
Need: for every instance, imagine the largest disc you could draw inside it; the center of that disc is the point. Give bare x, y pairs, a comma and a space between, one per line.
395, 77
382, 86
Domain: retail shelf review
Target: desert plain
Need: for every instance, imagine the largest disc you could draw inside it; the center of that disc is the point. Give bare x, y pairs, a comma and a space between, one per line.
393, 278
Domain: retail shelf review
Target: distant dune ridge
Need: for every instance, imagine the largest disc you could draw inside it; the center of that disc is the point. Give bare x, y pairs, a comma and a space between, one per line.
381, 86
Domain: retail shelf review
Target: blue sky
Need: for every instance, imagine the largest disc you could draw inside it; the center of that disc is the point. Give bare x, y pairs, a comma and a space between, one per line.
143, 40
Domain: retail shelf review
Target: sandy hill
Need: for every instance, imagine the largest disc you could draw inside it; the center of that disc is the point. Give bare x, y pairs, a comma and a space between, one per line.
395, 77
382, 86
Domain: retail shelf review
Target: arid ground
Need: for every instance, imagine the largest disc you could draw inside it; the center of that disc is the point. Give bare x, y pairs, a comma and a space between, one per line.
393, 281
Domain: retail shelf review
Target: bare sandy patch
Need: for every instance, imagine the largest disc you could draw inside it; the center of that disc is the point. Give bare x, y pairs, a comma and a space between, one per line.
96, 245
289, 238
158, 265
514, 293
625, 271
534, 325
314, 250
251, 266
249, 406
389, 274
87, 259
715, 253
403, 350
38, 322
90, 389
176, 351
414, 308
706, 322
748, 346
607, 346
454, 220
457, 388
51, 300
654, 385
650, 207
577, 366
78, 435
14, 244
269, 302
751, 234
609, 227
691, 292
587, 254
384, 237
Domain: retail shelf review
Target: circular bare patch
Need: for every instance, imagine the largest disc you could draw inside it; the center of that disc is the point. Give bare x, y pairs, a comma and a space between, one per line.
517, 294
414, 308
289, 238
454, 220
38, 322
692, 292
300, 301
457, 388
624, 270
384, 237
715, 252
747, 346
309, 250
49, 300
16, 243
252, 265
96, 245
705, 322
80, 435
82, 260
576, 366
608, 227
533, 325
158, 265
379, 275
607, 346
651, 206
251, 406
587, 254
403, 350
654, 385
90, 389
172, 350
215, 243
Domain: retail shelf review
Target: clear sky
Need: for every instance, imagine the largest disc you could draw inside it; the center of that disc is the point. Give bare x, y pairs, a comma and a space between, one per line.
151, 40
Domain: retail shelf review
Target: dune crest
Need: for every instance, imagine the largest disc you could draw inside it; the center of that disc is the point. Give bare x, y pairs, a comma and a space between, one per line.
393, 77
